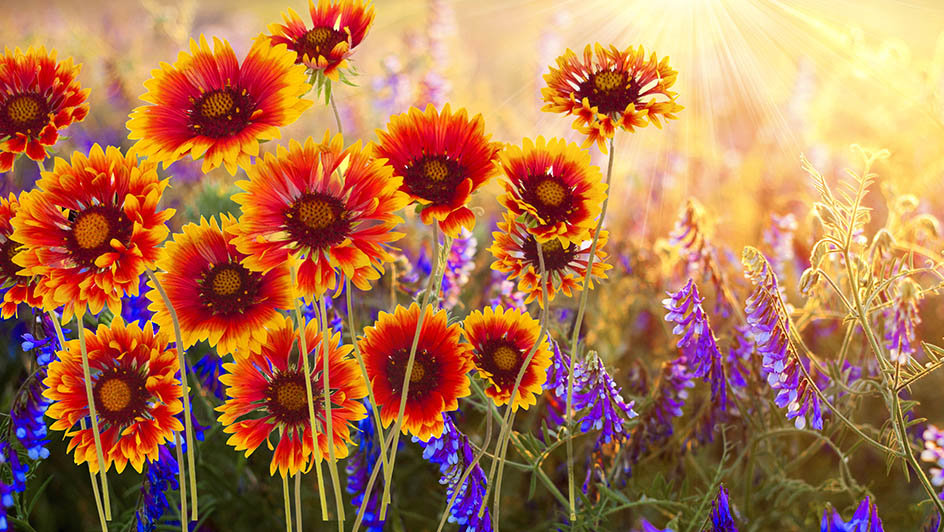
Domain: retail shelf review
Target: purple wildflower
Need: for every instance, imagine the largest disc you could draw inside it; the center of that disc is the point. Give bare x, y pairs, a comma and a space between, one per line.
161, 476
770, 331
134, 309
452, 453
656, 425
646, 526
934, 453
901, 321
779, 236
393, 90
596, 391
690, 235
721, 518
459, 265
697, 340
358, 470
865, 519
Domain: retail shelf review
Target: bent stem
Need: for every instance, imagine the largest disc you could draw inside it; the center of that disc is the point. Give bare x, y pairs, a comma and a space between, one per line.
329, 431
98, 498
582, 307
509, 419
87, 374
378, 427
188, 421
433, 286
303, 354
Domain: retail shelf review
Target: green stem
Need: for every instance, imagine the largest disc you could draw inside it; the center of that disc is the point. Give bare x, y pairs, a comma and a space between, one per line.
378, 427
434, 288
303, 354
298, 501
576, 336
337, 116
188, 419
288, 505
92, 476
329, 432
87, 374
181, 483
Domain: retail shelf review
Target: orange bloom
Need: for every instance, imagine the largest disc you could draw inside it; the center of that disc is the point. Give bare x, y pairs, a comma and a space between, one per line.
443, 158
609, 89
516, 254
502, 339
16, 288
90, 229
135, 388
266, 391
329, 207
554, 185
438, 377
215, 296
38, 97
337, 27
210, 106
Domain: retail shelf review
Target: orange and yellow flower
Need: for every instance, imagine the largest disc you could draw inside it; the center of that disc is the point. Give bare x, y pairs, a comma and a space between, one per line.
210, 106
215, 296
501, 341
328, 207
137, 394
90, 229
515, 252
16, 288
609, 88
553, 184
337, 27
439, 374
38, 97
266, 392
443, 158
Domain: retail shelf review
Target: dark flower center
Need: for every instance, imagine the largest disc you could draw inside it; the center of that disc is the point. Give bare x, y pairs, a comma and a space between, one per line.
609, 91
229, 289
556, 256
221, 113
550, 193
287, 400
121, 395
502, 360
93, 229
433, 178
318, 41
424, 375
23, 113
317, 221
8, 268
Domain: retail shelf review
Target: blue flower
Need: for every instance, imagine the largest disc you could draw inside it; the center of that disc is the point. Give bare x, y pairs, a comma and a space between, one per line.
452, 453
209, 369
358, 470
595, 390
161, 476
865, 519
721, 518
697, 340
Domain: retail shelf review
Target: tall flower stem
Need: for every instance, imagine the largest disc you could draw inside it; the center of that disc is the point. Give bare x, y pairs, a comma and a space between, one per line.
329, 430
360, 362
303, 354
432, 293
181, 483
501, 447
87, 374
298, 501
188, 419
62, 345
287, 503
367, 489
581, 308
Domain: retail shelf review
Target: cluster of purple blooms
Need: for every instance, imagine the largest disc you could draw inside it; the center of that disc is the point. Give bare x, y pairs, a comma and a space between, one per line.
780, 363
900, 323
934, 453
722, 519
865, 519
459, 265
669, 398
452, 452
779, 236
358, 471
697, 342
160, 477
